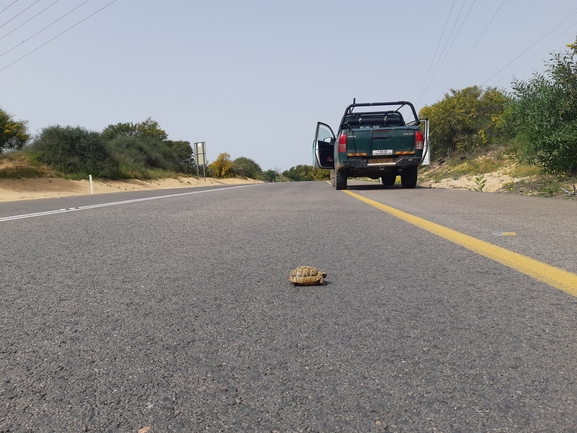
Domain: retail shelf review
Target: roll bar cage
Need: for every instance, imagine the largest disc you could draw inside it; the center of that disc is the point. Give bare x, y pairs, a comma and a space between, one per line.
399, 104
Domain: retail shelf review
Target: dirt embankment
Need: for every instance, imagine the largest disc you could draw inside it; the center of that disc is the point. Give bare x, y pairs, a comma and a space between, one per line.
29, 189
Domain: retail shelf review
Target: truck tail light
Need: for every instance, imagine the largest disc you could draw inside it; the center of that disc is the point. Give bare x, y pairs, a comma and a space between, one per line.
342, 143
419, 140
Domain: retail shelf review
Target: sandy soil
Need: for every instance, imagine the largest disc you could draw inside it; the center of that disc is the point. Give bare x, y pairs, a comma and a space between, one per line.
493, 182
29, 189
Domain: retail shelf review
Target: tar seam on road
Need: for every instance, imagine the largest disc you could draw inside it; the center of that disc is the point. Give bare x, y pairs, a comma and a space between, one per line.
113, 203
558, 278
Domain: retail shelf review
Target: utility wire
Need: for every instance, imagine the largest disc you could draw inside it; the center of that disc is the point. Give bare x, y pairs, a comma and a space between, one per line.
18, 14
454, 39
436, 67
29, 19
484, 31
434, 55
528, 58
58, 35
15, 1
40, 31
439, 60
444, 53
574, 12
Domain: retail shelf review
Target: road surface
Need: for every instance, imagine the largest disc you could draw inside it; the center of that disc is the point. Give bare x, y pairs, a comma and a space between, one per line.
171, 311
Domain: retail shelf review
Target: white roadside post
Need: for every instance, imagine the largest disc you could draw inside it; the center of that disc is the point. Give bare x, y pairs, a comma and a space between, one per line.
427, 146
91, 186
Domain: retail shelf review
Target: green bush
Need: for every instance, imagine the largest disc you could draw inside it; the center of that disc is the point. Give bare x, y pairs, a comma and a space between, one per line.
148, 128
136, 156
544, 115
466, 120
270, 175
13, 133
246, 167
222, 167
74, 151
184, 154
306, 173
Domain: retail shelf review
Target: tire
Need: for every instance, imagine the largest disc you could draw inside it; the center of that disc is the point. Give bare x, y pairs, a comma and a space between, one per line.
389, 179
340, 180
409, 177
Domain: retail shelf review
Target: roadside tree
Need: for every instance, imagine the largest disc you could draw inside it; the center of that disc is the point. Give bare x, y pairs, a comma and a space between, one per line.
75, 151
148, 128
184, 153
137, 156
544, 114
119, 130
270, 175
306, 173
13, 133
247, 167
222, 167
465, 120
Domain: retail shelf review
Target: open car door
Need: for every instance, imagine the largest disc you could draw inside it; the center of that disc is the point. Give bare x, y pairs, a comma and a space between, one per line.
426, 146
324, 147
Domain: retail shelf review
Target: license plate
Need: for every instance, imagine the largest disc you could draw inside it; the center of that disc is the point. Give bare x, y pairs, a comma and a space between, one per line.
381, 160
383, 152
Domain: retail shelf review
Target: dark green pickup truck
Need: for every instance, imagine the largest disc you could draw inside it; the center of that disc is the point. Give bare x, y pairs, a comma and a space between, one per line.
375, 140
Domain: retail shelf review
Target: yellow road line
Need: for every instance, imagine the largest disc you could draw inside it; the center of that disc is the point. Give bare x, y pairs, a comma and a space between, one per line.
551, 275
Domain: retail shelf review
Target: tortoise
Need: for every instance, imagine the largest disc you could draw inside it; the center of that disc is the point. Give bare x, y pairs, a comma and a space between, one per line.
307, 276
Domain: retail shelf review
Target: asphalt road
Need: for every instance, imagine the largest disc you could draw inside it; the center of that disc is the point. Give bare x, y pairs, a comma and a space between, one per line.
175, 314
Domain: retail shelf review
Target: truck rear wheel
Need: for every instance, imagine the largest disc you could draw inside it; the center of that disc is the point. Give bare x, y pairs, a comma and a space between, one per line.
389, 179
340, 180
409, 177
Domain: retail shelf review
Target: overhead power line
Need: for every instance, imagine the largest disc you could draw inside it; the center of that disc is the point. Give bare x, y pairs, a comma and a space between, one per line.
445, 51
29, 19
435, 53
428, 81
467, 56
439, 60
57, 36
455, 38
41, 30
18, 14
15, 1
559, 24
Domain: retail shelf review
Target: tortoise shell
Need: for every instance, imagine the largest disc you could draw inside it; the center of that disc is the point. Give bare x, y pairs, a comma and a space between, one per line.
307, 276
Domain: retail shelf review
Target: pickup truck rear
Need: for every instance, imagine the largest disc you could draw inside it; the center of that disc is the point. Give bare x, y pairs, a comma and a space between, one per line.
375, 140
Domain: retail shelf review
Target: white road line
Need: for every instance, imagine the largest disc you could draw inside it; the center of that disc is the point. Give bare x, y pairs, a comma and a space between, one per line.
113, 203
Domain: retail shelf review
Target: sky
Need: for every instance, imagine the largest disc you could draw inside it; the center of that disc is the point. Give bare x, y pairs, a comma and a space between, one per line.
251, 78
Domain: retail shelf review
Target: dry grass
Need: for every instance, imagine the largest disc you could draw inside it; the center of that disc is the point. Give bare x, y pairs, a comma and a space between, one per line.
495, 171
18, 165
